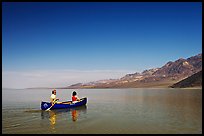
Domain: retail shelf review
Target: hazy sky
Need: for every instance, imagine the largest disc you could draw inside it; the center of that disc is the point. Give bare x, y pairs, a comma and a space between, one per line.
67, 43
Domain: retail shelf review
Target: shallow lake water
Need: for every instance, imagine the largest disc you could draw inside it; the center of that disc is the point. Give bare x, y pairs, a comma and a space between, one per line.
108, 111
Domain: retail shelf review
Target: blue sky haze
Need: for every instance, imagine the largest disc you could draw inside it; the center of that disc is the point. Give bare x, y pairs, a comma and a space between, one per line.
114, 36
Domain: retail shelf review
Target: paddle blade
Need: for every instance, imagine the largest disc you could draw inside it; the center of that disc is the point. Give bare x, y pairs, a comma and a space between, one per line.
48, 109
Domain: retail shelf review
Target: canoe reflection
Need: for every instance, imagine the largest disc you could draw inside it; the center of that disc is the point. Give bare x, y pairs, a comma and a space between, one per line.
52, 115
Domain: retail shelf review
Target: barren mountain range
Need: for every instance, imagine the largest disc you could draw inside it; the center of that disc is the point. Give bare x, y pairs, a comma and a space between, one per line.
166, 76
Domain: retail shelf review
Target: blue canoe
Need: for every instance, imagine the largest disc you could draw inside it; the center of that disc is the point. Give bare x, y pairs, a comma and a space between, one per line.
63, 105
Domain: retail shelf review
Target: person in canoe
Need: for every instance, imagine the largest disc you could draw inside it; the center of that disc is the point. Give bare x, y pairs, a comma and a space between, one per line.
53, 98
75, 98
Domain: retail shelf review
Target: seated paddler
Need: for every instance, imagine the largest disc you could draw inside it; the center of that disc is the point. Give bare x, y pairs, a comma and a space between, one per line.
53, 98
75, 98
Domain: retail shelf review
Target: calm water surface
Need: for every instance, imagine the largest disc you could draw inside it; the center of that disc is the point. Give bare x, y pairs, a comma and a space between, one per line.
108, 111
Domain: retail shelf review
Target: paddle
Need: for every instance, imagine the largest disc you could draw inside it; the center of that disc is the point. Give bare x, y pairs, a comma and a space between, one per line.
52, 105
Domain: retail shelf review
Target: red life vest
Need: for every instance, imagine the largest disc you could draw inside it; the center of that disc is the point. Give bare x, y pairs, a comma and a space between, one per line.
74, 98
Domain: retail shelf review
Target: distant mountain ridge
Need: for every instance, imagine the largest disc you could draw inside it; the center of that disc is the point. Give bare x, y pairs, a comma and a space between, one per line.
167, 75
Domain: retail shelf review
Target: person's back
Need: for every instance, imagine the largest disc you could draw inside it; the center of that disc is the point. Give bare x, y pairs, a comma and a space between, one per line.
74, 97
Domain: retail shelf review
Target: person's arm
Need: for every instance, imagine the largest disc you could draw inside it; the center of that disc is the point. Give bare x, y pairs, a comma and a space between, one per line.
78, 98
55, 98
51, 100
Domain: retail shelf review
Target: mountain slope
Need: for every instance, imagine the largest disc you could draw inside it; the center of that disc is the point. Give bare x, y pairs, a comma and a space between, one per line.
192, 81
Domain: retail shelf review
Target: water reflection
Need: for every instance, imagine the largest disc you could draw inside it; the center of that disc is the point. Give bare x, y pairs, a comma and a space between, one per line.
52, 118
73, 113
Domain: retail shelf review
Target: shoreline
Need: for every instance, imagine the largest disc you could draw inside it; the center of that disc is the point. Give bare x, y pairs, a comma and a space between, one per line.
159, 87
153, 87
